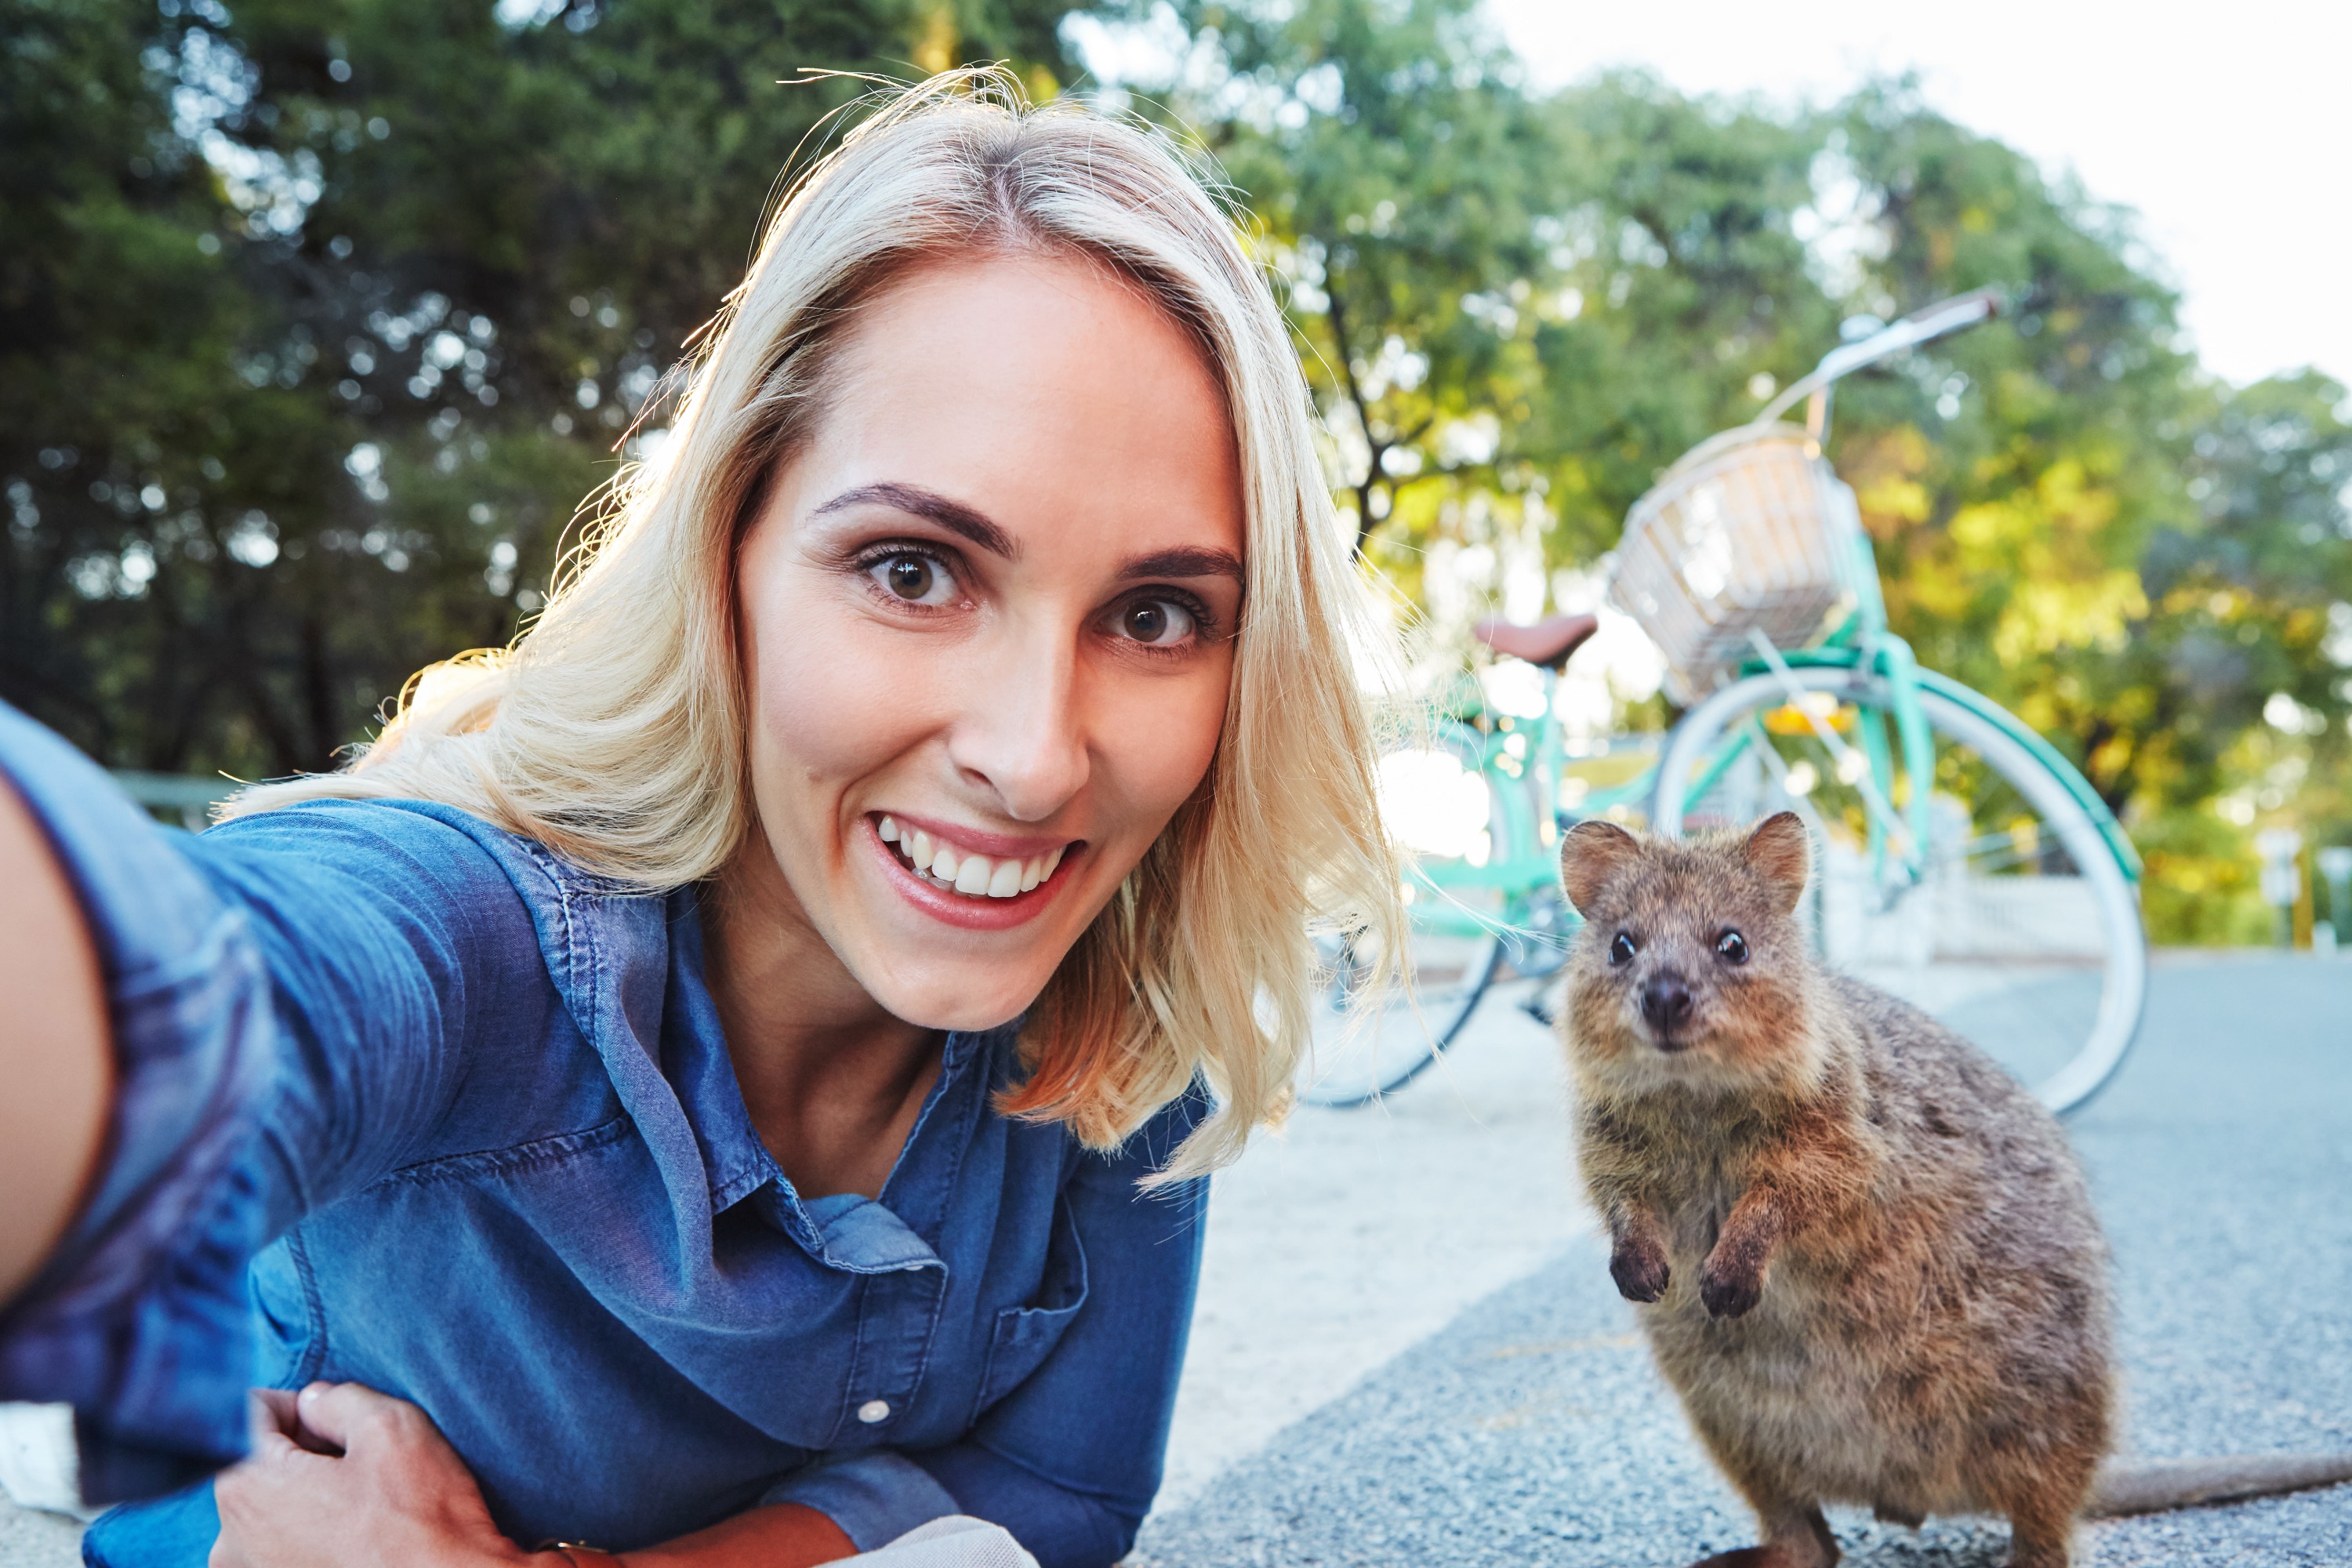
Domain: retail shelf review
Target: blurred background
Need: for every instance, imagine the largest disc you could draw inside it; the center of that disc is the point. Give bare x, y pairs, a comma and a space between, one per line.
319, 319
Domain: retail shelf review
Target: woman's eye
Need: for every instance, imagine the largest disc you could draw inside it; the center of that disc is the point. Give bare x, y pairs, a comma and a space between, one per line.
915, 579
1155, 623
1732, 947
1621, 950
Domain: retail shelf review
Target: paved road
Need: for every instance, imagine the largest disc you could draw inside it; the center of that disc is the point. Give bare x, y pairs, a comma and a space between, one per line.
1408, 1352
1351, 1236
1532, 1429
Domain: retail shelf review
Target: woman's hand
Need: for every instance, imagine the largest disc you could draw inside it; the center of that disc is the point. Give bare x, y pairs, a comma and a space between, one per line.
344, 1476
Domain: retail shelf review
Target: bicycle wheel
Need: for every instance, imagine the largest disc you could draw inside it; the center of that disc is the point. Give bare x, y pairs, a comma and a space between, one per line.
1451, 819
2024, 933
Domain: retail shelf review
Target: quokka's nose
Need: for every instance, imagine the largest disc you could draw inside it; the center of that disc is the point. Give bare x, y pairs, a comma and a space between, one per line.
1666, 1002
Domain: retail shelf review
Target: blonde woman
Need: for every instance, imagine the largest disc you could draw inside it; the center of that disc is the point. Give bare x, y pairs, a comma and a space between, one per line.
730, 1078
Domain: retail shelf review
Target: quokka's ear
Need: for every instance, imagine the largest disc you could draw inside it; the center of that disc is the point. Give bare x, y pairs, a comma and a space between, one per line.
1781, 852
1590, 859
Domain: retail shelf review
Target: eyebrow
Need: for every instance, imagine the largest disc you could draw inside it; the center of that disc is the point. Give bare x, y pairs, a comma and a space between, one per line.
916, 501
1184, 561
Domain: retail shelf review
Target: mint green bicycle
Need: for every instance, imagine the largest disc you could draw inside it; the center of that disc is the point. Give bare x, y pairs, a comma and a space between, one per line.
1961, 861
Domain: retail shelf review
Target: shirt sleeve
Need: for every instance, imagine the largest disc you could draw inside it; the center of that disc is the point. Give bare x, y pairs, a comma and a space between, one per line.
874, 1497
283, 1020
1070, 1461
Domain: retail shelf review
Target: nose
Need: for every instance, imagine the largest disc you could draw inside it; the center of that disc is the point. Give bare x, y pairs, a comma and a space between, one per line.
1021, 731
1665, 1004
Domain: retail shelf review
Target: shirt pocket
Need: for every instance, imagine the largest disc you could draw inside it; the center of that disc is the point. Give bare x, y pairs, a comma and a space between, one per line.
1025, 1335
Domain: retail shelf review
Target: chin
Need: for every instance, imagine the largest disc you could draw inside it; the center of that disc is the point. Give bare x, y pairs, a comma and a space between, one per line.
938, 1003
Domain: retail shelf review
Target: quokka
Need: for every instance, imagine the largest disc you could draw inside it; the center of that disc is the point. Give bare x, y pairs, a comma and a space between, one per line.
1864, 1256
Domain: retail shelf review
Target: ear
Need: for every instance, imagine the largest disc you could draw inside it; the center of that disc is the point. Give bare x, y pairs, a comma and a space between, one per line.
1591, 856
1781, 852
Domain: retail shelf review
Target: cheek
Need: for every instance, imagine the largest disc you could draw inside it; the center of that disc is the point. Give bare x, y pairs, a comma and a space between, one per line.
823, 712
1599, 1012
1158, 740
1754, 1018
829, 702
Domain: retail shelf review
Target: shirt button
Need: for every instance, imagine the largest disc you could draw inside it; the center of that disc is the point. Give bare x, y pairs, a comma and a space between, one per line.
873, 1410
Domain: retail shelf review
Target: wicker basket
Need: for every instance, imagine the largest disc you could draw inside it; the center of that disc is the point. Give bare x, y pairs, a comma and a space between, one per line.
1751, 530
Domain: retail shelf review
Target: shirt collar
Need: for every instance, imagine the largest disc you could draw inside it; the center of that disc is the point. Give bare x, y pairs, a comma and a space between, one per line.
844, 1229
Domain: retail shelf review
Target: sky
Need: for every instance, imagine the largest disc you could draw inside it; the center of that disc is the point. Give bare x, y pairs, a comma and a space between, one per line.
2228, 126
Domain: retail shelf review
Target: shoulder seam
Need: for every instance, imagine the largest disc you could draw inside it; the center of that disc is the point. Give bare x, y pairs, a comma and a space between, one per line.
536, 1154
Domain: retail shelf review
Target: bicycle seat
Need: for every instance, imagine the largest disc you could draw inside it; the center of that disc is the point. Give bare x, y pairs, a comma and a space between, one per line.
1548, 642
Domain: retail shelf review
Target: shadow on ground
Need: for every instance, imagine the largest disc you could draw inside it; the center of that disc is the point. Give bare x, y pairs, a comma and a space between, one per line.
1533, 1430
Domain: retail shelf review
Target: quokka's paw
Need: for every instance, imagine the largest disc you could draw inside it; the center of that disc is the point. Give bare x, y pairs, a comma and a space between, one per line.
1640, 1272
1729, 1292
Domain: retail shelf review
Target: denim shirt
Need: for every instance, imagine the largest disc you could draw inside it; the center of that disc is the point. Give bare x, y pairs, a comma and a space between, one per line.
406, 1100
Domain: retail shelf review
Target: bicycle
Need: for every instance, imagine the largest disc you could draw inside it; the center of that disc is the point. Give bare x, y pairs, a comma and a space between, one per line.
2003, 894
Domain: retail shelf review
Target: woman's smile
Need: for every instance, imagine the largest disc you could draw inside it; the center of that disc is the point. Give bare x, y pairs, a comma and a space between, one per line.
969, 877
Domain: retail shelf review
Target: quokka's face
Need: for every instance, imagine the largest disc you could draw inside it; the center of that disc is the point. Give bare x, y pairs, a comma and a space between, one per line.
1689, 970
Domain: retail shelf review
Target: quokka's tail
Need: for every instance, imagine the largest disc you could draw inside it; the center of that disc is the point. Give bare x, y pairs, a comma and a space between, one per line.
2151, 1486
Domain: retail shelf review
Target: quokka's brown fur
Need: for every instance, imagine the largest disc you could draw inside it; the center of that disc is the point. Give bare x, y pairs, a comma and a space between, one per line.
1865, 1257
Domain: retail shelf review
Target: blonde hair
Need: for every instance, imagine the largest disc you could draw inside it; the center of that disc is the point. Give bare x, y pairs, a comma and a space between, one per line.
613, 732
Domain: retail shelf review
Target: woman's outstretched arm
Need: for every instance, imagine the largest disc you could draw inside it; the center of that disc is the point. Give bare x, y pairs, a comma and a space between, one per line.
285, 1014
54, 1076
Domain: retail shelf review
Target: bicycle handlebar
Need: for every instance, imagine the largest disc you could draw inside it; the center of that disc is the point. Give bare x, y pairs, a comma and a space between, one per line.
1939, 320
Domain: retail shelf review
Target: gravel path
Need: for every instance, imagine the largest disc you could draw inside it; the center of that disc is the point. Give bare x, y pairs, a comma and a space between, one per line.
1533, 1430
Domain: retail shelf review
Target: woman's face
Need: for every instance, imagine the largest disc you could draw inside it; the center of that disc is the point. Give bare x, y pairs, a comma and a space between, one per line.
987, 617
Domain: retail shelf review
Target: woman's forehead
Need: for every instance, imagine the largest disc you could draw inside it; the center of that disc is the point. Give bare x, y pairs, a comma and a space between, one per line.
1017, 398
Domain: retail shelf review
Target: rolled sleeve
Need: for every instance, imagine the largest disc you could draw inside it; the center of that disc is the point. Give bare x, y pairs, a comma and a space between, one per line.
874, 1497
137, 1319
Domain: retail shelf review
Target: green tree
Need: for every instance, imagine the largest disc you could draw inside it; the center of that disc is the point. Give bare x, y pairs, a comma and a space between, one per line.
118, 318
317, 320
2151, 567
1498, 297
1515, 341
1390, 158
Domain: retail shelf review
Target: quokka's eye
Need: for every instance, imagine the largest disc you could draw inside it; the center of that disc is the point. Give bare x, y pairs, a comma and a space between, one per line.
1621, 950
1732, 947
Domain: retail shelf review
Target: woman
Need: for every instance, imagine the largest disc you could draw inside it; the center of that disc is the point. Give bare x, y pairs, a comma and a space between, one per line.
741, 1063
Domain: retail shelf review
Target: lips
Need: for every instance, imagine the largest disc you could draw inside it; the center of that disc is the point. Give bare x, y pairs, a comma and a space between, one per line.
960, 868
1031, 872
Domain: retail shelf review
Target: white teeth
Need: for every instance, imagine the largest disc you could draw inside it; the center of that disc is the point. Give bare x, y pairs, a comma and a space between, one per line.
974, 875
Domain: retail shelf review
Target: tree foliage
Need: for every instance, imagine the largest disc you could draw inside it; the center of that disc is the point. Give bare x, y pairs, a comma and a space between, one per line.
318, 319
1517, 308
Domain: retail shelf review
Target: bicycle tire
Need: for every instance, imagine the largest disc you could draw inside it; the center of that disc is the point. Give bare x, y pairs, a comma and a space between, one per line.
1974, 722
1421, 1020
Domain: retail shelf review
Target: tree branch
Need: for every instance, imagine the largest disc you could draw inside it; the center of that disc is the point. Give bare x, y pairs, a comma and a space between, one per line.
1377, 449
